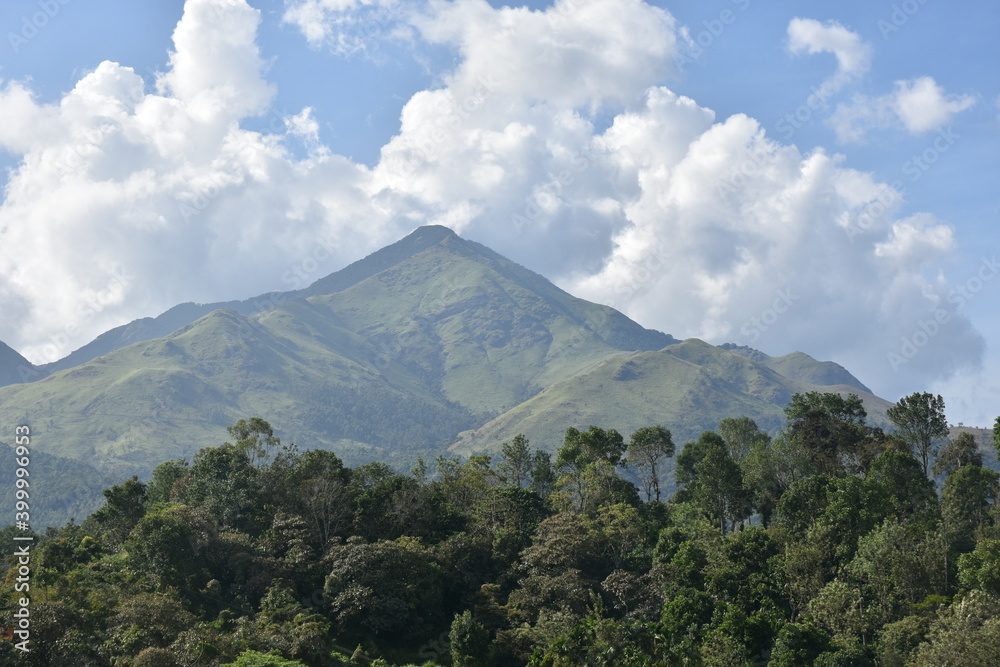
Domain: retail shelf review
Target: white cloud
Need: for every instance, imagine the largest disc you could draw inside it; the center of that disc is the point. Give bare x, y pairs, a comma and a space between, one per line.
917, 105
923, 106
127, 202
853, 55
346, 27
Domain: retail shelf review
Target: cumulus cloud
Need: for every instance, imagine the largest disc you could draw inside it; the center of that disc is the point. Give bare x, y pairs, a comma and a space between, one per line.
128, 201
916, 105
853, 55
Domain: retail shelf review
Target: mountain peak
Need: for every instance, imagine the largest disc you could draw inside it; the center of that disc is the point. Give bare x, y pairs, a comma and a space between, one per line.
429, 233
415, 242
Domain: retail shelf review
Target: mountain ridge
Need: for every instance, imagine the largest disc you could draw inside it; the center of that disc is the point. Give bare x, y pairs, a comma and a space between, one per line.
401, 354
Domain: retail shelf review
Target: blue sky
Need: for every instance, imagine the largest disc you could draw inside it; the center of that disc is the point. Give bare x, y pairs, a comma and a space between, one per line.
791, 249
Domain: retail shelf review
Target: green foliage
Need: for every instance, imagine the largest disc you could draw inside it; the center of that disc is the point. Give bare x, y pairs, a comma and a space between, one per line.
517, 464
647, 449
711, 479
260, 555
256, 659
966, 501
980, 568
921, 422
828, 428
470, 641
961, 451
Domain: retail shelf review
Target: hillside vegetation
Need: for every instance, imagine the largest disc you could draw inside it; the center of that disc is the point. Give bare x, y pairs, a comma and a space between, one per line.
827, 545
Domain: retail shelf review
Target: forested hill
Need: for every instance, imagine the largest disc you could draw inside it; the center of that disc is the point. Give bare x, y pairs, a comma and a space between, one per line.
430, 343
825, 546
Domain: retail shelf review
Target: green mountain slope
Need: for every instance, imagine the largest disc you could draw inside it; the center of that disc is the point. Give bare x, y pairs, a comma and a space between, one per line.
800, 366
429, 342
387, 359
688, 387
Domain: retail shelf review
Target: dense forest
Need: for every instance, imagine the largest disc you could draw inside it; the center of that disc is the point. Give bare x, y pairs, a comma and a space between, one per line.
832, 543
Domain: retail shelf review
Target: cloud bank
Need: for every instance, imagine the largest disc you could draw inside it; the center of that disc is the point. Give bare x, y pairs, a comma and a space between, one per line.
132, 196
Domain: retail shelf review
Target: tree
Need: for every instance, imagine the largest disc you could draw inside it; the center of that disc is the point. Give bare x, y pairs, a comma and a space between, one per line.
162, 546
741, 435
515, 468
161, 487
959, 452
126, 504
384, 590
965, 633
543, 477
798, 644
647, 447
828, 428
581, 448
966, 500
920, 421
588, 461
899, 487
470, 641
980, 568
224, 482
254, 438
712, 480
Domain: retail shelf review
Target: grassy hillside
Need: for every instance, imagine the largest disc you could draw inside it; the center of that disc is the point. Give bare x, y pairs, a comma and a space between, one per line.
386, 360
688, 387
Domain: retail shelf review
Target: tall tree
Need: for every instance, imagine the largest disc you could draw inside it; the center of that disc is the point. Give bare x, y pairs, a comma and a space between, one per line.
920, 421
581, 448
959, 452
828, 428
968, 496
647, 448
255, 438
712, 480
741, 435
543, 477
515, 468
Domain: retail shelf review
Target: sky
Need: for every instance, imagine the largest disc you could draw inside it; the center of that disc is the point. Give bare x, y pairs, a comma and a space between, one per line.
790, 176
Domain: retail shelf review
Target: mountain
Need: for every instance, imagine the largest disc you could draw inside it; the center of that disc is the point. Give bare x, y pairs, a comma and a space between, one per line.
688, 387
389, 358
13, 367
431, 342
800, 366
